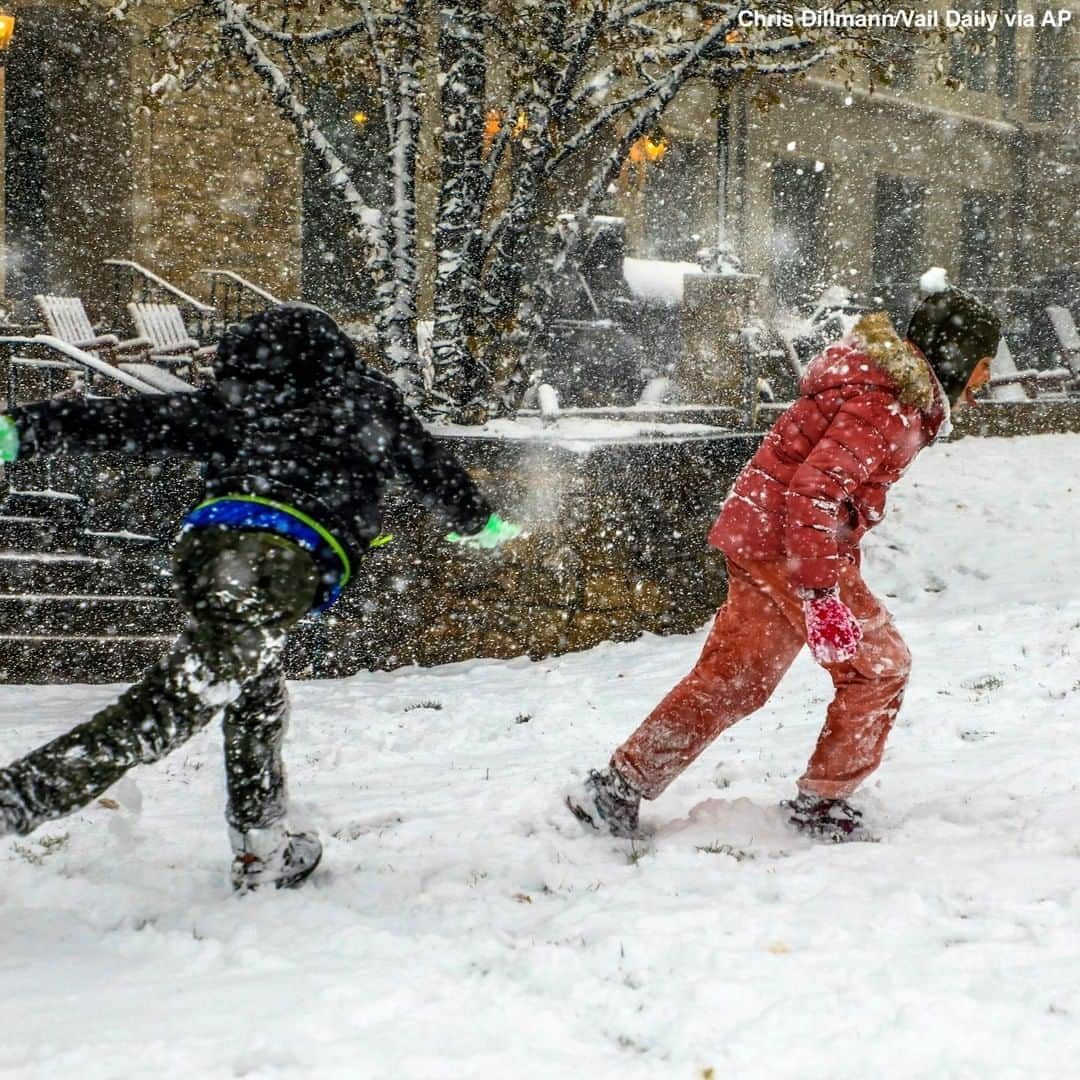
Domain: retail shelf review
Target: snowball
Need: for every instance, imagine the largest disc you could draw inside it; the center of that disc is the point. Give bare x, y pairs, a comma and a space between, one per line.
935, 280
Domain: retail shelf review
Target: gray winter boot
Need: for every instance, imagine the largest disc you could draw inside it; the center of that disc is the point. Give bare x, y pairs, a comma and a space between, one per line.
606, 803
272, 856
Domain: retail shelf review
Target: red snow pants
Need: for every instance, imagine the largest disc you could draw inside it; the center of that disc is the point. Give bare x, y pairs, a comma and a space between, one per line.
754, 640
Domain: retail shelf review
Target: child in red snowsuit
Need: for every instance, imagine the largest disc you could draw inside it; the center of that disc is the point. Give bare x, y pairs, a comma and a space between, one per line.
790, 530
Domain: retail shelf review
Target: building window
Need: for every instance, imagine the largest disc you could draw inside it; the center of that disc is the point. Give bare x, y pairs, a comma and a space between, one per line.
898, 231
1048, 75
1006, 52
969, 58
799, 191
333, 273
983, 243
679, 190
68, 179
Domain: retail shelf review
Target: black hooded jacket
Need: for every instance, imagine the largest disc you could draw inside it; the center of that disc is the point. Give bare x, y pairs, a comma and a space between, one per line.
295, 417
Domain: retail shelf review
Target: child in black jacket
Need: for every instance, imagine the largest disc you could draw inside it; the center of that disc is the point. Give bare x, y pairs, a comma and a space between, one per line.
299, 440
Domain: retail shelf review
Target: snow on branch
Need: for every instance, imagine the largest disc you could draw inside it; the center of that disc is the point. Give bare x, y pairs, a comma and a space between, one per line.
284, 37
622, 15
365, 217
788, 67
576, 83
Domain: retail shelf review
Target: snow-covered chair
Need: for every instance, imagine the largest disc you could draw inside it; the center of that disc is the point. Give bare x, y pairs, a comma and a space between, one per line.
1068, 336
1006, 383
66, 319
1010, 383
172, 347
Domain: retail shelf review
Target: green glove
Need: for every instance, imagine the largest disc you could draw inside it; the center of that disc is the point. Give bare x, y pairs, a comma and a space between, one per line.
494, 533
9, 439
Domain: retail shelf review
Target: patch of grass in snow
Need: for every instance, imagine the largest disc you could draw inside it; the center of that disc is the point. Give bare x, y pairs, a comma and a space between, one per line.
987, 683
738, 854
436, 705
38, 851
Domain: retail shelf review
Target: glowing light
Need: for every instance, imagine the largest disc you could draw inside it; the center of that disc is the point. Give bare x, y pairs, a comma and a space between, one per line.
7, 28
360, 118
649, 149
492, 126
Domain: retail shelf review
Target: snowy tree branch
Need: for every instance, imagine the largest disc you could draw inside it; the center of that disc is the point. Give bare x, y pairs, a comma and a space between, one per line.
367, 219
284, 37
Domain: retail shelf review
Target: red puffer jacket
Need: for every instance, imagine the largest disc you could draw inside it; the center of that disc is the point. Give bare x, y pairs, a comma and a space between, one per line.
868, 405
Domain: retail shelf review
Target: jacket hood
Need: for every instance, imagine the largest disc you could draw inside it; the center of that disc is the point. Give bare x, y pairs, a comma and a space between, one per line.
873, 354
287, 350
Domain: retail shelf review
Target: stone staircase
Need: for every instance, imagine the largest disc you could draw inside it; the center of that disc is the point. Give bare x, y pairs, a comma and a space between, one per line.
85, 589
78, 604
83, 601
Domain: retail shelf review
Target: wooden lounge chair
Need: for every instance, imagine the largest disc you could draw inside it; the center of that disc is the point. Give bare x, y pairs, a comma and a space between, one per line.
172, 347
67, 320
1068, 336
1011, 383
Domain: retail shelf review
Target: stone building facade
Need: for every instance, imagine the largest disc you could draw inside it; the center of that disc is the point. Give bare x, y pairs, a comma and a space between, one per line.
831, 184
842, 185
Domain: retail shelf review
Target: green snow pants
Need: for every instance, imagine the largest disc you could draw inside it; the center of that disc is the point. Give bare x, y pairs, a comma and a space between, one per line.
242, 591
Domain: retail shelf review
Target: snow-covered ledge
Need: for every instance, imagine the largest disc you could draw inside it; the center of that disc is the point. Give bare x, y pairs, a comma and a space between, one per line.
616, 515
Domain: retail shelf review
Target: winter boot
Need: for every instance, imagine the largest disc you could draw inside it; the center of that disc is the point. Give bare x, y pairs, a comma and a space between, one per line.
272, 856
606, 802
825, 819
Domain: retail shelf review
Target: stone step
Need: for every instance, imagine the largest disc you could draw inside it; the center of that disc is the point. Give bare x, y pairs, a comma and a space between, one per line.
33, 533
117, 544
62, 659
72, 574
36, 615
45, 504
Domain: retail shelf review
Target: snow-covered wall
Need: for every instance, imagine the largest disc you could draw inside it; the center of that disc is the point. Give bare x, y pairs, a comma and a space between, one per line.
615, 545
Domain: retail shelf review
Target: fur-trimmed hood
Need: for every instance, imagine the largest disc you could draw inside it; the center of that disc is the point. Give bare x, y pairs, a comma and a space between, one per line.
873, 353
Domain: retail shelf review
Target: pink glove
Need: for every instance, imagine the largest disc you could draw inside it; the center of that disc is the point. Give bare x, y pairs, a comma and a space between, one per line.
832, 632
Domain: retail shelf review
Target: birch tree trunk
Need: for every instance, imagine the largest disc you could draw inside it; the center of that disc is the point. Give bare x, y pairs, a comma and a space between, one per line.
397, 322
461, 383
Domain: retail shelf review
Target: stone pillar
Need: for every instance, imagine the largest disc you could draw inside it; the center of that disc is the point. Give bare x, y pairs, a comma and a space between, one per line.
713, 368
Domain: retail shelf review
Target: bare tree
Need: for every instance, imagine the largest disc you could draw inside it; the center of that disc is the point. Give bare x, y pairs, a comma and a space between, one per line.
539, 104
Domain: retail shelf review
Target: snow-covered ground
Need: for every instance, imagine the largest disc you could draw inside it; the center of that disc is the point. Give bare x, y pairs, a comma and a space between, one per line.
464, 926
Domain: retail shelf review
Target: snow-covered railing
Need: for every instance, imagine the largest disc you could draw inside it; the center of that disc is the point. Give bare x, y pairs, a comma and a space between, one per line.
79, 358
153, 281
228, 291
